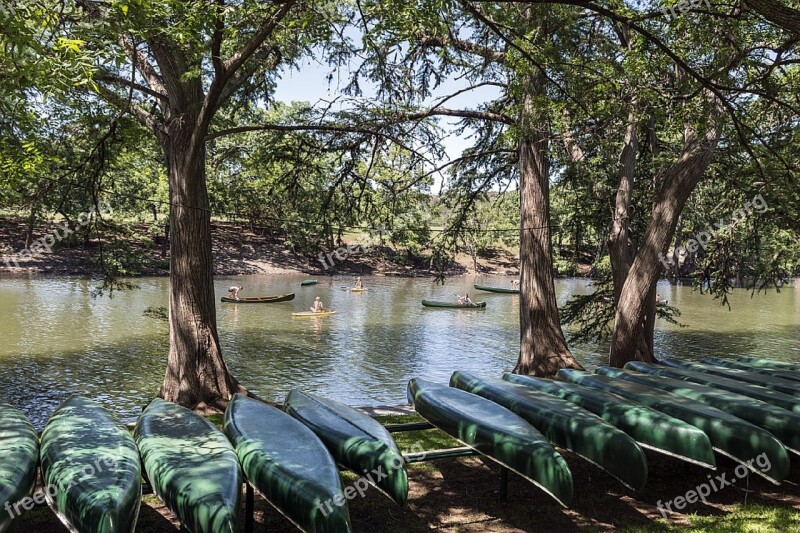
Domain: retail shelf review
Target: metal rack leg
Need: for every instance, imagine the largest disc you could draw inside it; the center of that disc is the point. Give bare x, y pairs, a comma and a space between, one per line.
248, 508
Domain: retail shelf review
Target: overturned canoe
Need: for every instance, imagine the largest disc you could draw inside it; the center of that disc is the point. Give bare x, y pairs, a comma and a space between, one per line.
355, 440
451, 305
770, 363
191, 466
782, 423
773, 397
19, 450
92, 463
565, 425
496, 289
495, 432
650, 428
307, 282
260, 299
710, 367
729, 435
288, 464
782, 374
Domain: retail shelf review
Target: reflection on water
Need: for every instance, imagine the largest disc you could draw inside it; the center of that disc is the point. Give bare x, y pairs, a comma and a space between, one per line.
57, 340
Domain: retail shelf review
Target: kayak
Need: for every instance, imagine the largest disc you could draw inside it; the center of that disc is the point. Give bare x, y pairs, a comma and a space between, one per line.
770, 363
565, 425
92, 463
773, 397
287, 464
260, 299
450, 305
777, 384
355, 440
496, 289
191, 466
780, 373
307, 282
495, 432
650, 428
310, 313
357, 290
784, 424
729, 435
19, 449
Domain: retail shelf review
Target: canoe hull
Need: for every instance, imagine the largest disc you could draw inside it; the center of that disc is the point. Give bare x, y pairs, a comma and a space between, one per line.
355, 440
782, 423
782, 374
650, 428
499, 290
191, 466
307, 314
19, 449
308, 282
495, 432
729, 435
288, 465
712, 367
772, 397
260, 299
93, 463
565, 425
448, 305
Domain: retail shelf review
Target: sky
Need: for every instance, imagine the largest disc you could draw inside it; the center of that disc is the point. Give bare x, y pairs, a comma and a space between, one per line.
309, 84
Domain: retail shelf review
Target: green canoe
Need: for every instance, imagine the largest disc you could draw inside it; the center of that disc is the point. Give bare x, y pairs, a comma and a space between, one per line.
495, 432
92, 464
650, 428
565, 425
729, 435
260, 299
781, 385
191, 466
773, 397
19, 457
782, 423
783, 375
288, 465
496, 289
307, 282
770, 364
355, 440
451, 305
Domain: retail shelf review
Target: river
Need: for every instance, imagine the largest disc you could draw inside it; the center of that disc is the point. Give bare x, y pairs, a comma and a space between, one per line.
58, 340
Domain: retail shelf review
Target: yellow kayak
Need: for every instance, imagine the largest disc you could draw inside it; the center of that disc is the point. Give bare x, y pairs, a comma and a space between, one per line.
309, 313
357, 290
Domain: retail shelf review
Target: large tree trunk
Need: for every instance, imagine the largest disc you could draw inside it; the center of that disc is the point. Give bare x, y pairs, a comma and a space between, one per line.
196, 375
637, 298
622, 248
543, 350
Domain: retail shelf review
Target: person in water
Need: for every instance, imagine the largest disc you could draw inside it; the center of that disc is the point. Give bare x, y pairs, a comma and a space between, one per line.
359, 285
464, 300
233, 292
317, 307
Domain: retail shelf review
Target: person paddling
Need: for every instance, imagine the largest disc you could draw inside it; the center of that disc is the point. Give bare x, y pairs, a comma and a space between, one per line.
358, 285
317, 307
464, 300
233, 292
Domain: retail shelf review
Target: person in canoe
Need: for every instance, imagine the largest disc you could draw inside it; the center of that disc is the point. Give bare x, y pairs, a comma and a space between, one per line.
317, 307
359, 284
465, 300
233, 292
515, 284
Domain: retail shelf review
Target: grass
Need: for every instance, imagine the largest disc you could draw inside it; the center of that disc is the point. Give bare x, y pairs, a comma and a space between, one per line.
741, 518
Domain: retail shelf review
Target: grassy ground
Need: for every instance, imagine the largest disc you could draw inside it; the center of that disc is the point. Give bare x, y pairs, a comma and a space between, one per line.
464, 495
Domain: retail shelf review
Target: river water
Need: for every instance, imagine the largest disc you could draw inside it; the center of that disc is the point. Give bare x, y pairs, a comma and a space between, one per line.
58, 340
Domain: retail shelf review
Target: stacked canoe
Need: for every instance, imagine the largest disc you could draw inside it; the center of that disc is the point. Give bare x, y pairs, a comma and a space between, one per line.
291, 456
